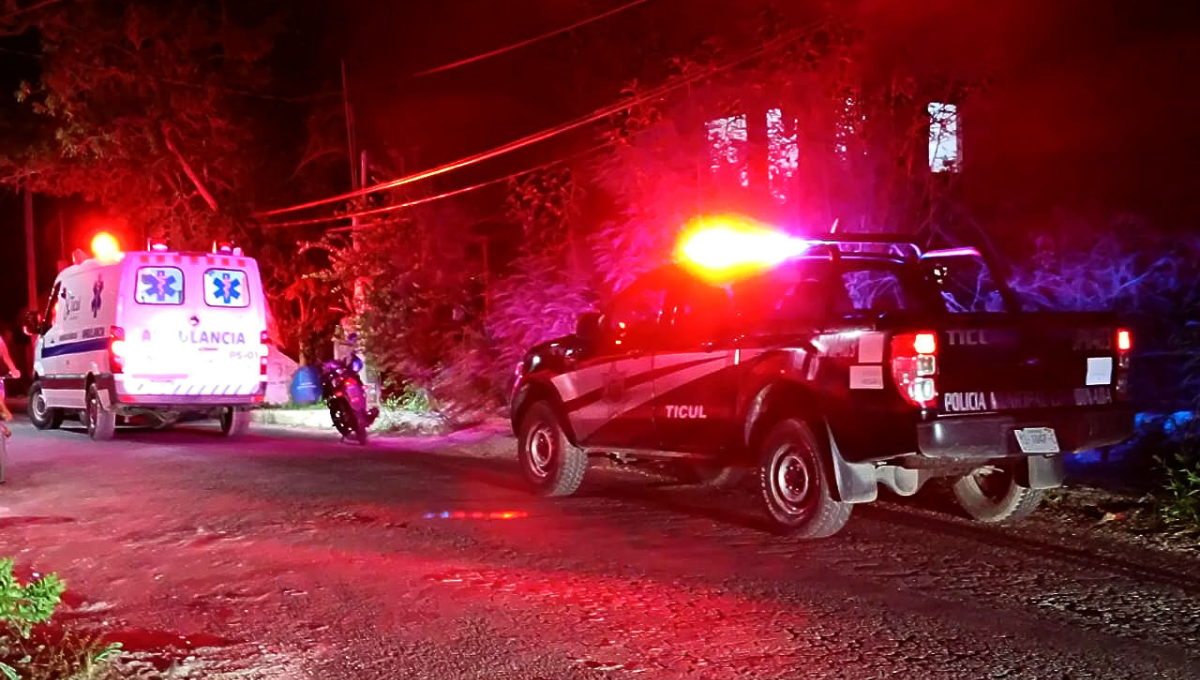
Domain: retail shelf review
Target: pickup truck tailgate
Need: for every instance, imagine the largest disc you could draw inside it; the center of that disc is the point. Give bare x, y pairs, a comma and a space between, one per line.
995, 363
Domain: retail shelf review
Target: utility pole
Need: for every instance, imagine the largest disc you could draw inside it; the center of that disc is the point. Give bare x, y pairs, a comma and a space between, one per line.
30, 251
30, 265
350, 141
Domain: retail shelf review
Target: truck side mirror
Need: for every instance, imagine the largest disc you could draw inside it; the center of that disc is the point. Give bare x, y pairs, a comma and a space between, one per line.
587, 327
31, 323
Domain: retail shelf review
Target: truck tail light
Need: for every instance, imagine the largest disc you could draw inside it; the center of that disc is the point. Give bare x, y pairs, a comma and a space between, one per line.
116, 349
1124, 348
914, 367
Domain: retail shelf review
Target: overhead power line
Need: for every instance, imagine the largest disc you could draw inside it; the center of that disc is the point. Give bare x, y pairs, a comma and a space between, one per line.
34, 7
548, 133
428, 199
530, 41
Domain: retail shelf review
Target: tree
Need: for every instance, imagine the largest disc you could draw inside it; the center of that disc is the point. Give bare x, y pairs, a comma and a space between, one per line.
147, 108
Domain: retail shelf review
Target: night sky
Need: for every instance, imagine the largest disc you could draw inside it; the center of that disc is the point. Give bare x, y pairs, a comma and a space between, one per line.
1092, 102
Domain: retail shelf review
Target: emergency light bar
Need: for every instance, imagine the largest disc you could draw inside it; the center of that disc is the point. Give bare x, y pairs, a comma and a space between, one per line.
728, 246
226, 248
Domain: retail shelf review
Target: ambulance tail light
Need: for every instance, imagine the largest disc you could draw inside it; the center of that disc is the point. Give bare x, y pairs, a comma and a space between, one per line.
264, 340
1124, 349
915, 367
116, 349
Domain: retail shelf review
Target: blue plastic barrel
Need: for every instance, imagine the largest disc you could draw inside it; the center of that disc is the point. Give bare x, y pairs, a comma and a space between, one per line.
306, 385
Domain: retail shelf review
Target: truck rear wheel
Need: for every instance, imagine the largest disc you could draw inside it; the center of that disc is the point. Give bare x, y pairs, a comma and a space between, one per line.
235, 422
42, 416
101, 423
550, 463
992, 495
794, 487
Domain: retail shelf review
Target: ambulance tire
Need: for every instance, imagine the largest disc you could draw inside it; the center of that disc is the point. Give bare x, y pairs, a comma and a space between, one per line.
43, 417
993, 496
794, 487
235, 422
101, 423
549, 462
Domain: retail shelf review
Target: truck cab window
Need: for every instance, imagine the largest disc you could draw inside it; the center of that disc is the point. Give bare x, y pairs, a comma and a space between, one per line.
869, 289
632, 320
965, 285
697, 314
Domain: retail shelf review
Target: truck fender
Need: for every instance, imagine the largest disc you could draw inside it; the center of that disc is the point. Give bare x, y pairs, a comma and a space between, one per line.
852, 482
536, 390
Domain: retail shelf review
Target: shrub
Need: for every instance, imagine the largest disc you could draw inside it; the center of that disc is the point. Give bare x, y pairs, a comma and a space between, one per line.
1181, 489
30, 653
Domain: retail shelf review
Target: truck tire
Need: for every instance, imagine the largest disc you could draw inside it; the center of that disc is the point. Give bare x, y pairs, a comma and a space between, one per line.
101, 423
43, 417
550, 463
794, 488
235, 422
989, 495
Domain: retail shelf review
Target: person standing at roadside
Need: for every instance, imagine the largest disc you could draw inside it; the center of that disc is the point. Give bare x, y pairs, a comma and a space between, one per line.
5, 414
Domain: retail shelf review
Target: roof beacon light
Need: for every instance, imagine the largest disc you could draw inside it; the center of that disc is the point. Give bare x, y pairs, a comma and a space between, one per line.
105, 247
726, 247
157, 245
223, 247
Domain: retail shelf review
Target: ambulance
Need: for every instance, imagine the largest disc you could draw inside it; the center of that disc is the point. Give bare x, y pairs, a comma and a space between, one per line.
151, 337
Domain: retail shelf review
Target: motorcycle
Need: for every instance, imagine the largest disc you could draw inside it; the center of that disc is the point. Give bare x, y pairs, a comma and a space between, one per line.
346, 397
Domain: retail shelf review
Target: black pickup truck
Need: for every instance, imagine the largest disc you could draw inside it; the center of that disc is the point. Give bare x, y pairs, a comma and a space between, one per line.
861, 362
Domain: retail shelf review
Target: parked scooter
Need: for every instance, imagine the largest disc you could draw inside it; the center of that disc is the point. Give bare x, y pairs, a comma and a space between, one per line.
346, 397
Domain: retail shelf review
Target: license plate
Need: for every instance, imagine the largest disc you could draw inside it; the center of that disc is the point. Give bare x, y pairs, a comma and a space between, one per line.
1037, 440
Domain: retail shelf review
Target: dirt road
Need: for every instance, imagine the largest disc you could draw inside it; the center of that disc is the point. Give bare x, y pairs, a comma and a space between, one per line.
291, 555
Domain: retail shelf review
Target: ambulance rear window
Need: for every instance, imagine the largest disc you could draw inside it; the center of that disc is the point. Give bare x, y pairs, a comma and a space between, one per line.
226, 288
159, 286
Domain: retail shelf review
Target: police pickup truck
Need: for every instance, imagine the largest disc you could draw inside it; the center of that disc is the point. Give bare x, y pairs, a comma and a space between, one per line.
859, 362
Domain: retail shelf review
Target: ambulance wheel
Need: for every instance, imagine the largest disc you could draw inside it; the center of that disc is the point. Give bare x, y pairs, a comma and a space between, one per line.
235, 422
550, 463
992, 495
101, 424
43, 417
794, 488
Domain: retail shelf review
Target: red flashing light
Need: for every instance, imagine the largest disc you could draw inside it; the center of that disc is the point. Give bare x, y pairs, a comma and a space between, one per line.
727, 247
1124, 340
105, 247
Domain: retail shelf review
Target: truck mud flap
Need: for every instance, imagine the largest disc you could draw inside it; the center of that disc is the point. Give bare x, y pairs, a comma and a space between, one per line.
1041, 472
856, 482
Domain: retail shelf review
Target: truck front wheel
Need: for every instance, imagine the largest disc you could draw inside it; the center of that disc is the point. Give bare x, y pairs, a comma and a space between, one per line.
991, 494
794, 487
551, 464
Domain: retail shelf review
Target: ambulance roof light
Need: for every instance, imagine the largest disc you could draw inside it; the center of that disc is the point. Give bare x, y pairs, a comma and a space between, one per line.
157, 245
223, 248
105, 247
